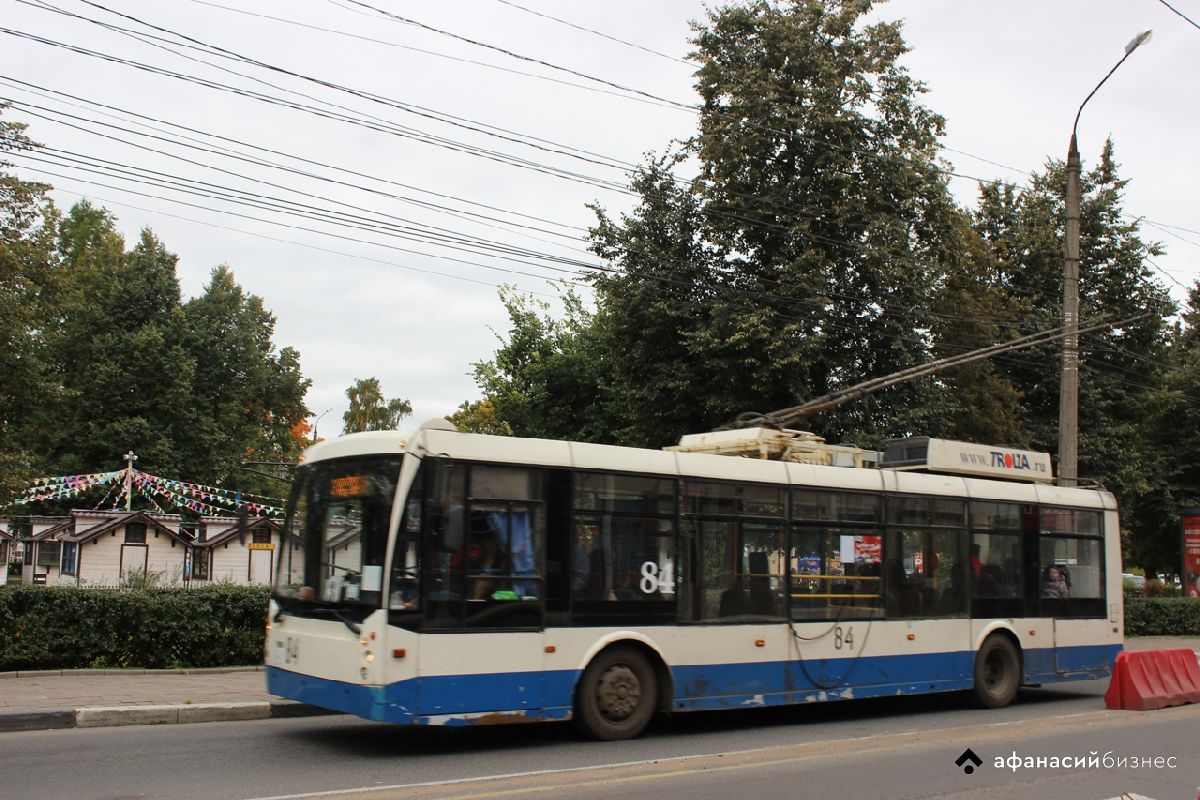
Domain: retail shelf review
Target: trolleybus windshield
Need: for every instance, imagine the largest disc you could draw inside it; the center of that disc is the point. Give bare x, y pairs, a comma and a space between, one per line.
337, 534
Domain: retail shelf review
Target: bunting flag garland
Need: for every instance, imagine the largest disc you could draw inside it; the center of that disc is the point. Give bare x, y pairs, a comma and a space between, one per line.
107, 495
65, 486
201, 499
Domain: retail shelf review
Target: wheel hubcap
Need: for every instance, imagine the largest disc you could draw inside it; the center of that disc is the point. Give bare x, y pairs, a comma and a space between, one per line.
618, 693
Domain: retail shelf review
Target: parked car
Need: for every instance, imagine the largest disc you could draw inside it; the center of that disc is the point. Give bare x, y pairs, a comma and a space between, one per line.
1131, 582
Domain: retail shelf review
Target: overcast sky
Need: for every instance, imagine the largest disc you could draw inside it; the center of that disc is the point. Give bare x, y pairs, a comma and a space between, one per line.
392, 173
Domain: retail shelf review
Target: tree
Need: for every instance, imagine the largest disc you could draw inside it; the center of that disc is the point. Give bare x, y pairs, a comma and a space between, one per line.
1173, 451
192, 390
1121, 368
125, 377
548, 378
369, 411
973, 308
802, 256
479, 416
247, 397
28, 275
100, 356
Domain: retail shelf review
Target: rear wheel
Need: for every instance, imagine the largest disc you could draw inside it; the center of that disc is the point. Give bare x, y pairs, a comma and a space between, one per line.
616, 696
997, 672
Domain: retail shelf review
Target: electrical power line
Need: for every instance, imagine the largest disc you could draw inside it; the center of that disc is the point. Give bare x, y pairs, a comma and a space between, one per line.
1179, 13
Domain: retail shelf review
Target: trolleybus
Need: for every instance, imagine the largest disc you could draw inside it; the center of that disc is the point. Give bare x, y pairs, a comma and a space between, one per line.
447, 578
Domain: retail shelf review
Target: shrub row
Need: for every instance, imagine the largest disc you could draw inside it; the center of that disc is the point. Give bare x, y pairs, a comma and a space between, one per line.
60, 627
1162, 616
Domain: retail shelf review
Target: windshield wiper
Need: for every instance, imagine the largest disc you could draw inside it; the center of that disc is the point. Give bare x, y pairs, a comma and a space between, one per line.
333, 612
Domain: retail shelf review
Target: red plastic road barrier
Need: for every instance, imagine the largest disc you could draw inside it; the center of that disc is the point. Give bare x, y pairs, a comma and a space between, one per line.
1147, 679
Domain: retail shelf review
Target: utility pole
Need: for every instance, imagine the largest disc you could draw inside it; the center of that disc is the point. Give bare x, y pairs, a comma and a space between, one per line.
1068, 395
1068, 398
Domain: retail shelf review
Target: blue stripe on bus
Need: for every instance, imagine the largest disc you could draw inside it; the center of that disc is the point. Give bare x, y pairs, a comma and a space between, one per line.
352, 698
548, 695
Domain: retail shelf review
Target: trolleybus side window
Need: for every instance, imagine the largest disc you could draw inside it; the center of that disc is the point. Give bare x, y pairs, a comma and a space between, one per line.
836, 555
997, 561
1071, 563
925, 542
624, 556
485, 546
741, 533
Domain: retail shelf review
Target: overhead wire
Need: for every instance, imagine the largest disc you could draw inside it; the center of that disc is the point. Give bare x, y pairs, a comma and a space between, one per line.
423, 51
827, 292
414, 134
408, 21
435, 231
1180, 14
862, 151
210, 48
147, 121
601, 34
816, 237
295, 243
781, 314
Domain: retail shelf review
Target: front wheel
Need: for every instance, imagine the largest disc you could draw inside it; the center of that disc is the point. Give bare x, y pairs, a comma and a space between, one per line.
997, 672
616, 696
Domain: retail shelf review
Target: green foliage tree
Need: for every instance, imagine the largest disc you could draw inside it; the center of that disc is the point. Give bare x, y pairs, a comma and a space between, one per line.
802, 256
125, 375
370, 411
548, 377
247, 396
1173, 449
28, 276
479, 416
99, 354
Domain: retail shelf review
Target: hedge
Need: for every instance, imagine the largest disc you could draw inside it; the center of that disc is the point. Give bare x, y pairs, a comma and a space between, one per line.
61, 627
1162, 616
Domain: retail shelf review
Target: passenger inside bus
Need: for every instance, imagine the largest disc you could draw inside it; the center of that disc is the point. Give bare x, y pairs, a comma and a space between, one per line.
1055, 584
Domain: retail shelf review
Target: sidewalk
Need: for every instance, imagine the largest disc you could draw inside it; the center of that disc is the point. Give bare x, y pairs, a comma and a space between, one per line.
39, 700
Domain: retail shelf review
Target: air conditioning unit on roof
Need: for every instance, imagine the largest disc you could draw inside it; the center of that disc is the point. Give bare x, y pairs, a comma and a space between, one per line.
800, 447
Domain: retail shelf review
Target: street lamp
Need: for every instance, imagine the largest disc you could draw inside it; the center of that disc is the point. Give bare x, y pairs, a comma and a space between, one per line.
1068, 402
317, 421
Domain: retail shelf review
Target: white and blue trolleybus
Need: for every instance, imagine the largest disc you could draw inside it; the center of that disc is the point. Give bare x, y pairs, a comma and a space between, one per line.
447, 578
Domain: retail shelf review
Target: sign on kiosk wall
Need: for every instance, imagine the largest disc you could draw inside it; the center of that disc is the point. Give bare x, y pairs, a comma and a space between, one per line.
1191, 551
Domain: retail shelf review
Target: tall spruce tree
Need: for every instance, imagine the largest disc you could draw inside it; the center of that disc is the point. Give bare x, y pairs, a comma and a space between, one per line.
247, 396
1121, 365
1172, 420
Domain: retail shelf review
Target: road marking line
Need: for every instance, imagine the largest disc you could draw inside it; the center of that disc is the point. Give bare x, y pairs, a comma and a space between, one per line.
815, 749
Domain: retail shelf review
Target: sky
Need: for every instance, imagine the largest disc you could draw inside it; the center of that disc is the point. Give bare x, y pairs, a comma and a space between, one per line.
375, 170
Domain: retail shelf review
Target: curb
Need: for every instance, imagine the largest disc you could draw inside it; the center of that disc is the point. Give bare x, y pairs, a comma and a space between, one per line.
110, 716
67, 673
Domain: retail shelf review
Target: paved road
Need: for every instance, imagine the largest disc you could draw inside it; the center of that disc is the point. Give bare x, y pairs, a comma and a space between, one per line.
900, 747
